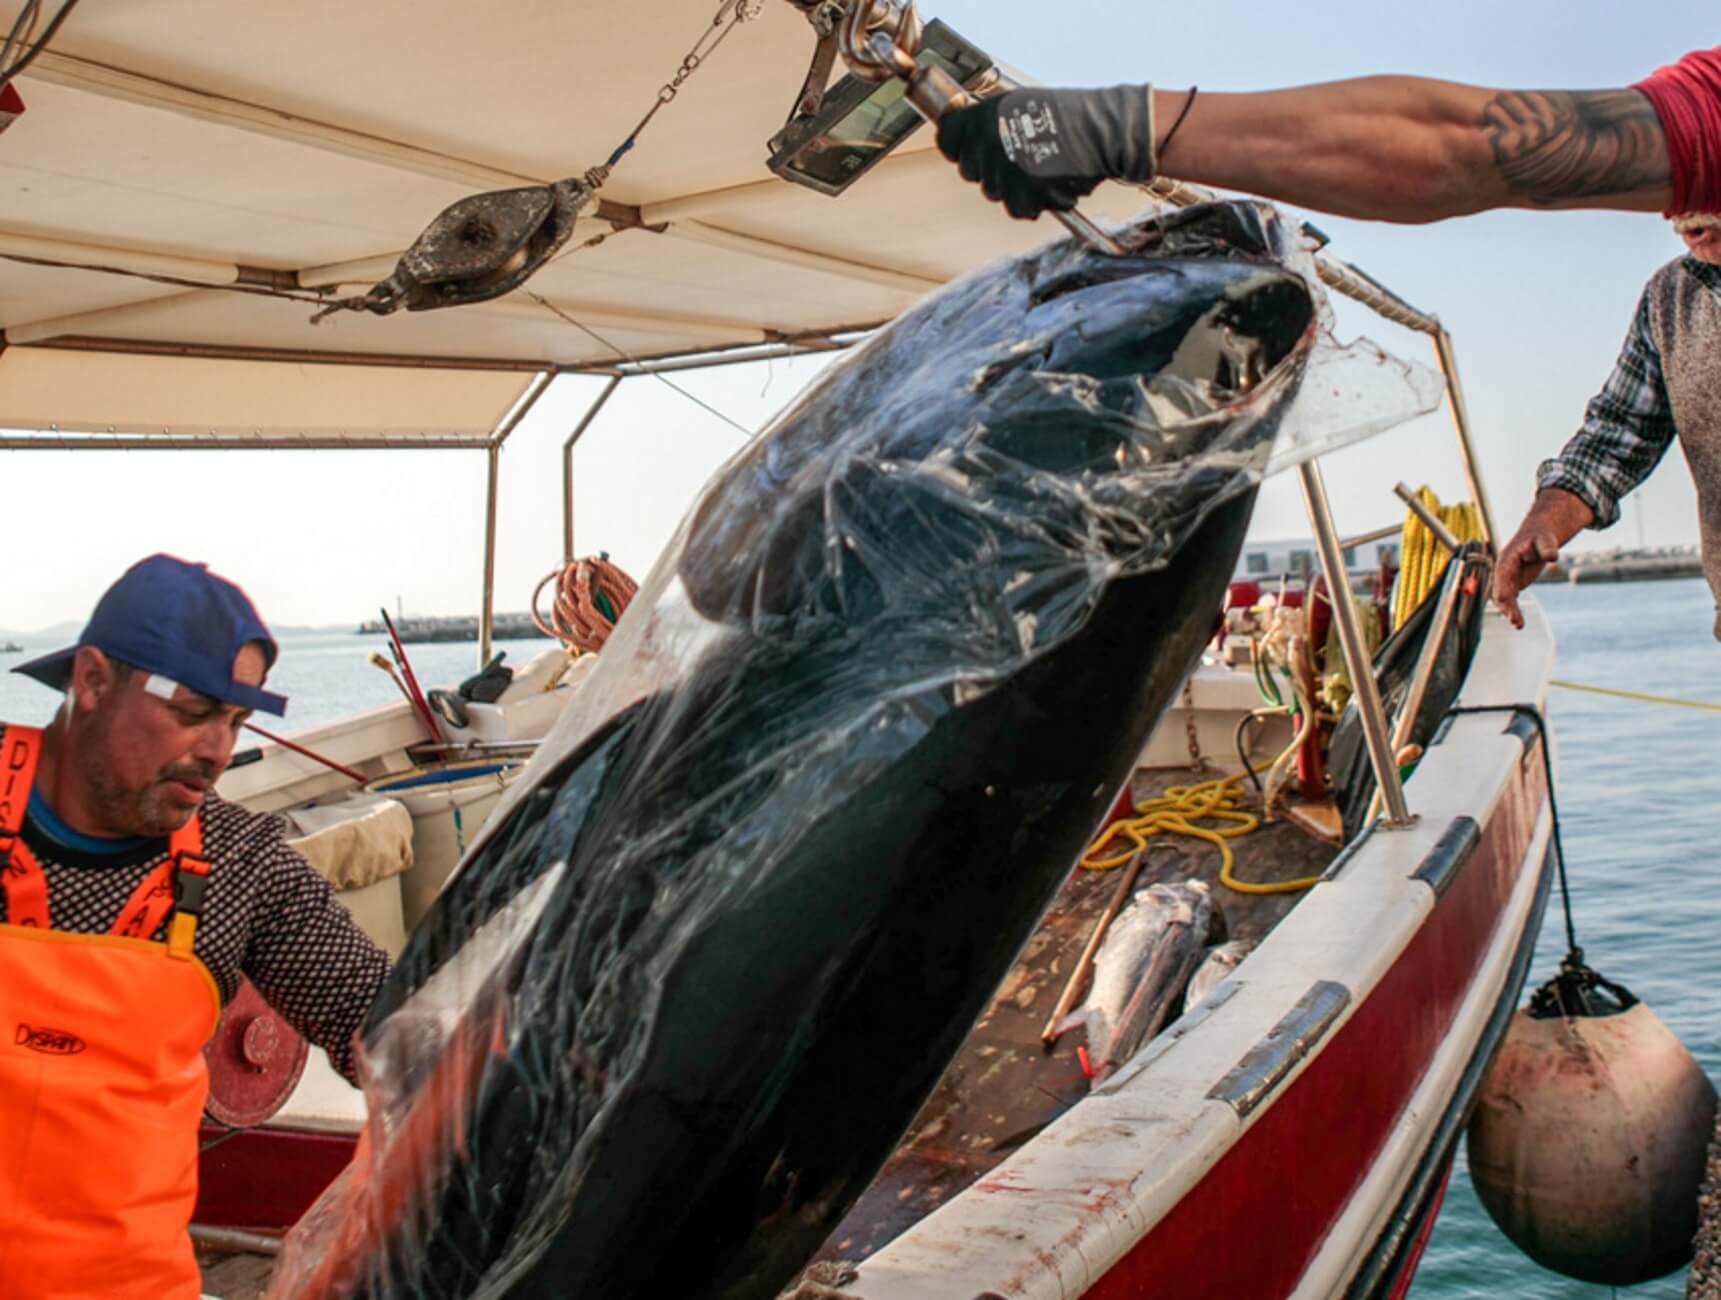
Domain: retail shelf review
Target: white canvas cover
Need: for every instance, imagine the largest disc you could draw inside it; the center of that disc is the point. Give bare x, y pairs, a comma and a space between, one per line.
213, 142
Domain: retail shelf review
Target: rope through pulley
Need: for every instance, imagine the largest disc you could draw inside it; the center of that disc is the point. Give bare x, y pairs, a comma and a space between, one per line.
486, 245
590, 597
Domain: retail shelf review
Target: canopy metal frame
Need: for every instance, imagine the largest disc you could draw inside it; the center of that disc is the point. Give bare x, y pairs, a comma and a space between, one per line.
490, 444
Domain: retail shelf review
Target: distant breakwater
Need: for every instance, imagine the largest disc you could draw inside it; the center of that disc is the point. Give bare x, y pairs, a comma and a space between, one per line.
458, 628
1627, 565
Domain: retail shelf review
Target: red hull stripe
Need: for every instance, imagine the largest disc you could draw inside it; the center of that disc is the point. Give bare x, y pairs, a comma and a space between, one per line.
1290, 1176
1391, 1264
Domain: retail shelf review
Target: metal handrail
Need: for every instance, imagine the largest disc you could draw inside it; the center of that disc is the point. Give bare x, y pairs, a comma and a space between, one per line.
1373, 535
1357, 658
1431, 521
1461, 418
1423, 673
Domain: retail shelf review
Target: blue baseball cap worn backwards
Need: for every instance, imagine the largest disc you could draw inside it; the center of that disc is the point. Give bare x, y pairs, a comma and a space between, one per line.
174, 620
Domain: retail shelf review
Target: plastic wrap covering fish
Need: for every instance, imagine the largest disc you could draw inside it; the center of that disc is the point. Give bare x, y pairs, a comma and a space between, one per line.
683, 997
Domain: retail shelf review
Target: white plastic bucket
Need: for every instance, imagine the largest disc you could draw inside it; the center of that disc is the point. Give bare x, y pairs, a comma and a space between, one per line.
448, 803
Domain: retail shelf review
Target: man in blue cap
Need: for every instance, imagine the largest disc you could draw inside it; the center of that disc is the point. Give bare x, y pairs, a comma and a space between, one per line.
132, 899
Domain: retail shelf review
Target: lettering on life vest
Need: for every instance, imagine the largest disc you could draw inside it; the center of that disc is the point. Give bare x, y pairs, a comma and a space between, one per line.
17, 755
50, 1042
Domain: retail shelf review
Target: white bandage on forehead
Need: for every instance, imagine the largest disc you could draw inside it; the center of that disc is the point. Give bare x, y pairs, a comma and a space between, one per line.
160, 687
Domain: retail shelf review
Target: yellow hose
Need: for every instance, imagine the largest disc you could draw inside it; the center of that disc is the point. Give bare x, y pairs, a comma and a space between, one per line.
1422, 560
1176, 812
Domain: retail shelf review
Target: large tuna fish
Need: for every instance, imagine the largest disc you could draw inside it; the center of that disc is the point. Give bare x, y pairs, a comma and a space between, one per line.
676, 1009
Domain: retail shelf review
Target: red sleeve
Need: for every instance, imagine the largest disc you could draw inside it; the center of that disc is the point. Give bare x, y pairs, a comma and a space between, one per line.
1687, 99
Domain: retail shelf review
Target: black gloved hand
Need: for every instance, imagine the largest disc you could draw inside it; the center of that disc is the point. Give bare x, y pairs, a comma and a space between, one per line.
1037, 149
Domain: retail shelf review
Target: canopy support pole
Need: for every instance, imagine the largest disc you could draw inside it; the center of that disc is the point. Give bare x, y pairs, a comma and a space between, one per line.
568, 465
487, 609
1466, 446
1357, 659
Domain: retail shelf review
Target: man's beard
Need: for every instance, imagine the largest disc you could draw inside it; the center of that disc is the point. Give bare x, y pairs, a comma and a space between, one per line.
148, 811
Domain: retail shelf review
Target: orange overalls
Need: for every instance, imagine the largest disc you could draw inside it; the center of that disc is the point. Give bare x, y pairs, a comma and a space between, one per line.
102, 1078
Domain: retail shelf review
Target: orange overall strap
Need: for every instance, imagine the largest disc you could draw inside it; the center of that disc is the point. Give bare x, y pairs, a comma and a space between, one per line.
178, 881
21, 878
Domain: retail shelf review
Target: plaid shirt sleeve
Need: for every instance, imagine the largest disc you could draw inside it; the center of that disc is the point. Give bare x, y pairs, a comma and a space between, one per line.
1626, 430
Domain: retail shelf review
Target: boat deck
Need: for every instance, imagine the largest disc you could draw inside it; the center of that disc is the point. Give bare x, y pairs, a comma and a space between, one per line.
235, 1277
1003, 1086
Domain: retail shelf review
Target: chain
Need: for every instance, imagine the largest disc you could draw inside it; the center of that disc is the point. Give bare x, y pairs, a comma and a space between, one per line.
1190, 734
730, 15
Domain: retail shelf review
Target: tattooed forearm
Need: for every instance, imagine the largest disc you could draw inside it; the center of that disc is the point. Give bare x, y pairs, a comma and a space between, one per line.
1553, 145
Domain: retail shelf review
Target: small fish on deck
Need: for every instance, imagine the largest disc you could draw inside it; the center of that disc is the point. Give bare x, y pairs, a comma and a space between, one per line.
1215, 968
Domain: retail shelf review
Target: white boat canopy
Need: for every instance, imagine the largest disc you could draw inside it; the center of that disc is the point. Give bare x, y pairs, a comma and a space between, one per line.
240, 152
189, 183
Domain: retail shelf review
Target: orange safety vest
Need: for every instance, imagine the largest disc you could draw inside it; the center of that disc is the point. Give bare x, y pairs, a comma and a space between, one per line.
102, 1077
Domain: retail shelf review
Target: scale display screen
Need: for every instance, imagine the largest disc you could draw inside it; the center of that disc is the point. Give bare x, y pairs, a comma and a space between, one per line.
860, 122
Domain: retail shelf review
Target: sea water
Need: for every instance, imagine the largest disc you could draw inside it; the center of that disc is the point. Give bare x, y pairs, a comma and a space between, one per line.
1640, 802
1639, 790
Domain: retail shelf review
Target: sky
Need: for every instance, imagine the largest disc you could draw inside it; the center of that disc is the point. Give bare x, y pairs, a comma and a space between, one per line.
1537, 305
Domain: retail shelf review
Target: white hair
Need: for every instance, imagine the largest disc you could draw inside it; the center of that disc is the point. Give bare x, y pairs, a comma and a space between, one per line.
1686, 222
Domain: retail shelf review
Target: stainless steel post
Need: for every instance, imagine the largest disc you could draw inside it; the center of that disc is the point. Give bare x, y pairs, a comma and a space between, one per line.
1375, 535
487, 610
1431, 521
1350, 639
1466, 448
235, 1240
568, 466
1424, 671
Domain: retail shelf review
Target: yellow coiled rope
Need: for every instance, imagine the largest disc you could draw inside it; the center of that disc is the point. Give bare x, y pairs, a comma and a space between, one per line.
1422, 560
1177, 812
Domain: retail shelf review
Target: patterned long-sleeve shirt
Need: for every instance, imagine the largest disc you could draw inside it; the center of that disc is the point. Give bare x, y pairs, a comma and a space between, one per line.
267, 915
1627, 426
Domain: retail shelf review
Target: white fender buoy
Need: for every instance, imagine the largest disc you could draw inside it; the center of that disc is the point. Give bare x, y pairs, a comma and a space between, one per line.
1588, 1142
